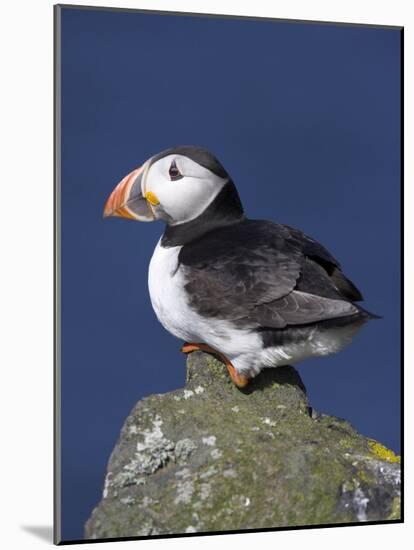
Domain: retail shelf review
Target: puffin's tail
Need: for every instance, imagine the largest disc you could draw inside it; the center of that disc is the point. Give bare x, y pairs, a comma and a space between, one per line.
367, 314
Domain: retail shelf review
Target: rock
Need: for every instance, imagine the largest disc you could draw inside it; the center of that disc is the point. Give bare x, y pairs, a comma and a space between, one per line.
210, 457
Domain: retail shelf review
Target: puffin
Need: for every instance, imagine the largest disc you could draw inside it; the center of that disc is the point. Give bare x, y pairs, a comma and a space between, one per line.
254, 293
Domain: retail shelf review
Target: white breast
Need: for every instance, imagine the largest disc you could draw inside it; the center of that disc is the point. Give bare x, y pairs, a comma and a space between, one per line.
169, 299
165, 288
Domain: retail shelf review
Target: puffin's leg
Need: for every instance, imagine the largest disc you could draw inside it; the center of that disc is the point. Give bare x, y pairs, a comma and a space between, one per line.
190, 347
238, 379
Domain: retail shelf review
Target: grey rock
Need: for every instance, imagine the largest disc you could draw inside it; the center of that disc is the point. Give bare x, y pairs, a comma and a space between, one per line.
210, 457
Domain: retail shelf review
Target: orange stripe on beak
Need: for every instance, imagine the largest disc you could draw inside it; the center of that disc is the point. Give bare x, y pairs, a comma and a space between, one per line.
116, 203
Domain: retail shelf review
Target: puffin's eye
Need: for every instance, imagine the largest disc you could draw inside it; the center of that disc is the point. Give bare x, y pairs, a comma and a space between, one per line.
174, 173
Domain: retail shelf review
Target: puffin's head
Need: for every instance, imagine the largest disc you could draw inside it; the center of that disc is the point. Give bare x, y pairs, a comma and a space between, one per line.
176, 186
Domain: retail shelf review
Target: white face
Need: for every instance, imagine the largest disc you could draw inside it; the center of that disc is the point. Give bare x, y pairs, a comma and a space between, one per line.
183, 188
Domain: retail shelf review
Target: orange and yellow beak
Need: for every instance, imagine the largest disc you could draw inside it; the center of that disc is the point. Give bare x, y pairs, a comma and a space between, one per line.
127, 200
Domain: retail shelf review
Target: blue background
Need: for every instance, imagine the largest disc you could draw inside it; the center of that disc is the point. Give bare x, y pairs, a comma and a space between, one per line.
305, 117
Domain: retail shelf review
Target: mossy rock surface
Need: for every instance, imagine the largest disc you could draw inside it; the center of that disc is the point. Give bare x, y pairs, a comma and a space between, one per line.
210, 457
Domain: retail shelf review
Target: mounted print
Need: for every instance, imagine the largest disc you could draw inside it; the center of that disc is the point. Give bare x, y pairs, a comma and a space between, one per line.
233, 364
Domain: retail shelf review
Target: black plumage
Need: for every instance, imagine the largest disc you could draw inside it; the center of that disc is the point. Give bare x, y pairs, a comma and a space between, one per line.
265, 275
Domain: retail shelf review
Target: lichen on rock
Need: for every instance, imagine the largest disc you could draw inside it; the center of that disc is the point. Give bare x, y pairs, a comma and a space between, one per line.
210, 457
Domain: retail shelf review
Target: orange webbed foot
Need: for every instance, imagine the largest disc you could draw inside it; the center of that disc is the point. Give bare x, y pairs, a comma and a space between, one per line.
239, 380
190, 347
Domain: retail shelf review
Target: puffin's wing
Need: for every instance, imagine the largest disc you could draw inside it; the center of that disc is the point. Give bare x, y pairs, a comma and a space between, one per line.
251, 271
318, 254
298, 308
231, 270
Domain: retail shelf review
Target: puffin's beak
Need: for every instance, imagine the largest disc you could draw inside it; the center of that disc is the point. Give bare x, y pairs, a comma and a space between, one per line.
127, 199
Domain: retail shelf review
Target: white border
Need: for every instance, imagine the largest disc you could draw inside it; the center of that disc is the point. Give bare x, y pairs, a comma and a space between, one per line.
26, 275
